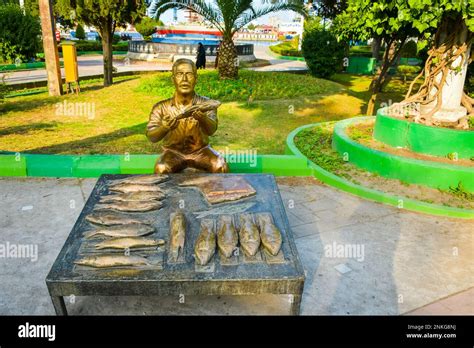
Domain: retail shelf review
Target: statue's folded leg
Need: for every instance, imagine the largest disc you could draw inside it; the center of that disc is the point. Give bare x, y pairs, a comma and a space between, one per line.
170, 162
208, 160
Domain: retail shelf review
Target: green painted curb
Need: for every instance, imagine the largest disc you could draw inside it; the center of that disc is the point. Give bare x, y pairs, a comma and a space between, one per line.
12, 165
374, 195
424, 139
433, 174
91, 166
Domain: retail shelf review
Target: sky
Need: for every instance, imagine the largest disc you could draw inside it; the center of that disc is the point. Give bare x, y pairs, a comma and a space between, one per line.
284, 16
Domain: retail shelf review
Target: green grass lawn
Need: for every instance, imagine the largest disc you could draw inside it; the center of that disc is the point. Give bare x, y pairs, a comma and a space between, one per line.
258, 112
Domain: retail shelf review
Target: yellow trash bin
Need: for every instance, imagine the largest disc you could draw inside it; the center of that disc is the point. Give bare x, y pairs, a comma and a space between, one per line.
70, 65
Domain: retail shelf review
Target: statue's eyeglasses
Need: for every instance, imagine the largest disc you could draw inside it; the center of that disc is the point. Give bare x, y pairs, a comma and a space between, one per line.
180, 75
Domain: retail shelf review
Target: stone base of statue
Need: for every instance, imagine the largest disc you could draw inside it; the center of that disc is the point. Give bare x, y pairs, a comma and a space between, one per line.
181, 234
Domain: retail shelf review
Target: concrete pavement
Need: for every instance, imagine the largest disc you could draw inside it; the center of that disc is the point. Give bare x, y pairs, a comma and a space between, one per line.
359, 257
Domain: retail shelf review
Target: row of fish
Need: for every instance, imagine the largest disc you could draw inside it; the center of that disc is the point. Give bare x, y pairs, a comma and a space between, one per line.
254, 230
122, 232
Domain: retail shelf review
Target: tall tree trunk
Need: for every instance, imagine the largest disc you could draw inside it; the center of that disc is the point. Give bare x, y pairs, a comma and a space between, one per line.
228, 64
381, 77
376, 43
107, 34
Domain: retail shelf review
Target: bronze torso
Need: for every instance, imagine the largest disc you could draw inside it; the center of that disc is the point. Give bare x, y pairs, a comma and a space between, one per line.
188, 136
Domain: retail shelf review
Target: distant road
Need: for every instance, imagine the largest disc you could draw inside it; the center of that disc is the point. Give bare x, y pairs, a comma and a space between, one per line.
93, 65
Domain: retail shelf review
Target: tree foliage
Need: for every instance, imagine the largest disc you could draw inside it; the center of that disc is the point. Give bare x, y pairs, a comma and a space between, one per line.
105, 16
80, 33
19, 33
147, 26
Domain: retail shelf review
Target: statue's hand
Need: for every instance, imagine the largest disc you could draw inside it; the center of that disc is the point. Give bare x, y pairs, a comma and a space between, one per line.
169, 122
188, 111
198, 114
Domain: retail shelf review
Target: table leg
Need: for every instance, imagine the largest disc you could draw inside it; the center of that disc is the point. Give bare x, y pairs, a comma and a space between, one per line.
59, 305
295, 304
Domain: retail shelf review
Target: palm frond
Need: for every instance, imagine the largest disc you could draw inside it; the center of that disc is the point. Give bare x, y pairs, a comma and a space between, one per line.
252, 13
210, 12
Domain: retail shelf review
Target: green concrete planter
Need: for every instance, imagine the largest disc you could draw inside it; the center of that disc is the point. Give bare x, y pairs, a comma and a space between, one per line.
371, 194
433, 174
435, 141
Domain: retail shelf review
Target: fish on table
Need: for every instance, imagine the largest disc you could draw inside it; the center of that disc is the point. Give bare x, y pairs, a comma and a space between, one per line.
129, 206
142, 179
117, 231
269, 233
227, 238
107, 261
127, 188
129, 243
177, 235
248, 234
227, 209
205, 245
110, 218
140, 196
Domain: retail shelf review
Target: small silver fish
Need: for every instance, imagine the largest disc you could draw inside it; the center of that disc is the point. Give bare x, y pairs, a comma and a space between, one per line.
141, 179
127, 188
133, 197
106, 261
110, 218
129, 243
248, 234
269, 233
130, 230
205, 246
227, 238
227, 209
177, 235
129, 206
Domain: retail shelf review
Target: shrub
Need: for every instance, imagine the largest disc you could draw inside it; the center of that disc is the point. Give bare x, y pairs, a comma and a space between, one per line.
86, 45
323, 54
19, 33
80, 33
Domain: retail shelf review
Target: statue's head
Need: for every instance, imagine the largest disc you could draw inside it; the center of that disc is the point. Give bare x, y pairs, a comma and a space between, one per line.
184, 76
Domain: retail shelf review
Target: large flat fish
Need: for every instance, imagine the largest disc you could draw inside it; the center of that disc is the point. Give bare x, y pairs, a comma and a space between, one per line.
141, 180
269, 233
129, 243
205, 246
227, 238
227, 209
131, 206
106, 261
110, 218
133, 197
130, 230
177, 235
220, 188
127, 188
248, 234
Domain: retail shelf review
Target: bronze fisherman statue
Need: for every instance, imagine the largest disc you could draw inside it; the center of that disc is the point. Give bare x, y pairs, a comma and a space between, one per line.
184, 124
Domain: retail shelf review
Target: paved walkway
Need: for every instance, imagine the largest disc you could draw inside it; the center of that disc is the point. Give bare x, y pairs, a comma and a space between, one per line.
391, 262
93, 65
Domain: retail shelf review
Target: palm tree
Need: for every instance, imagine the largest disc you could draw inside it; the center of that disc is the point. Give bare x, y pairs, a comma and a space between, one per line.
228, 16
